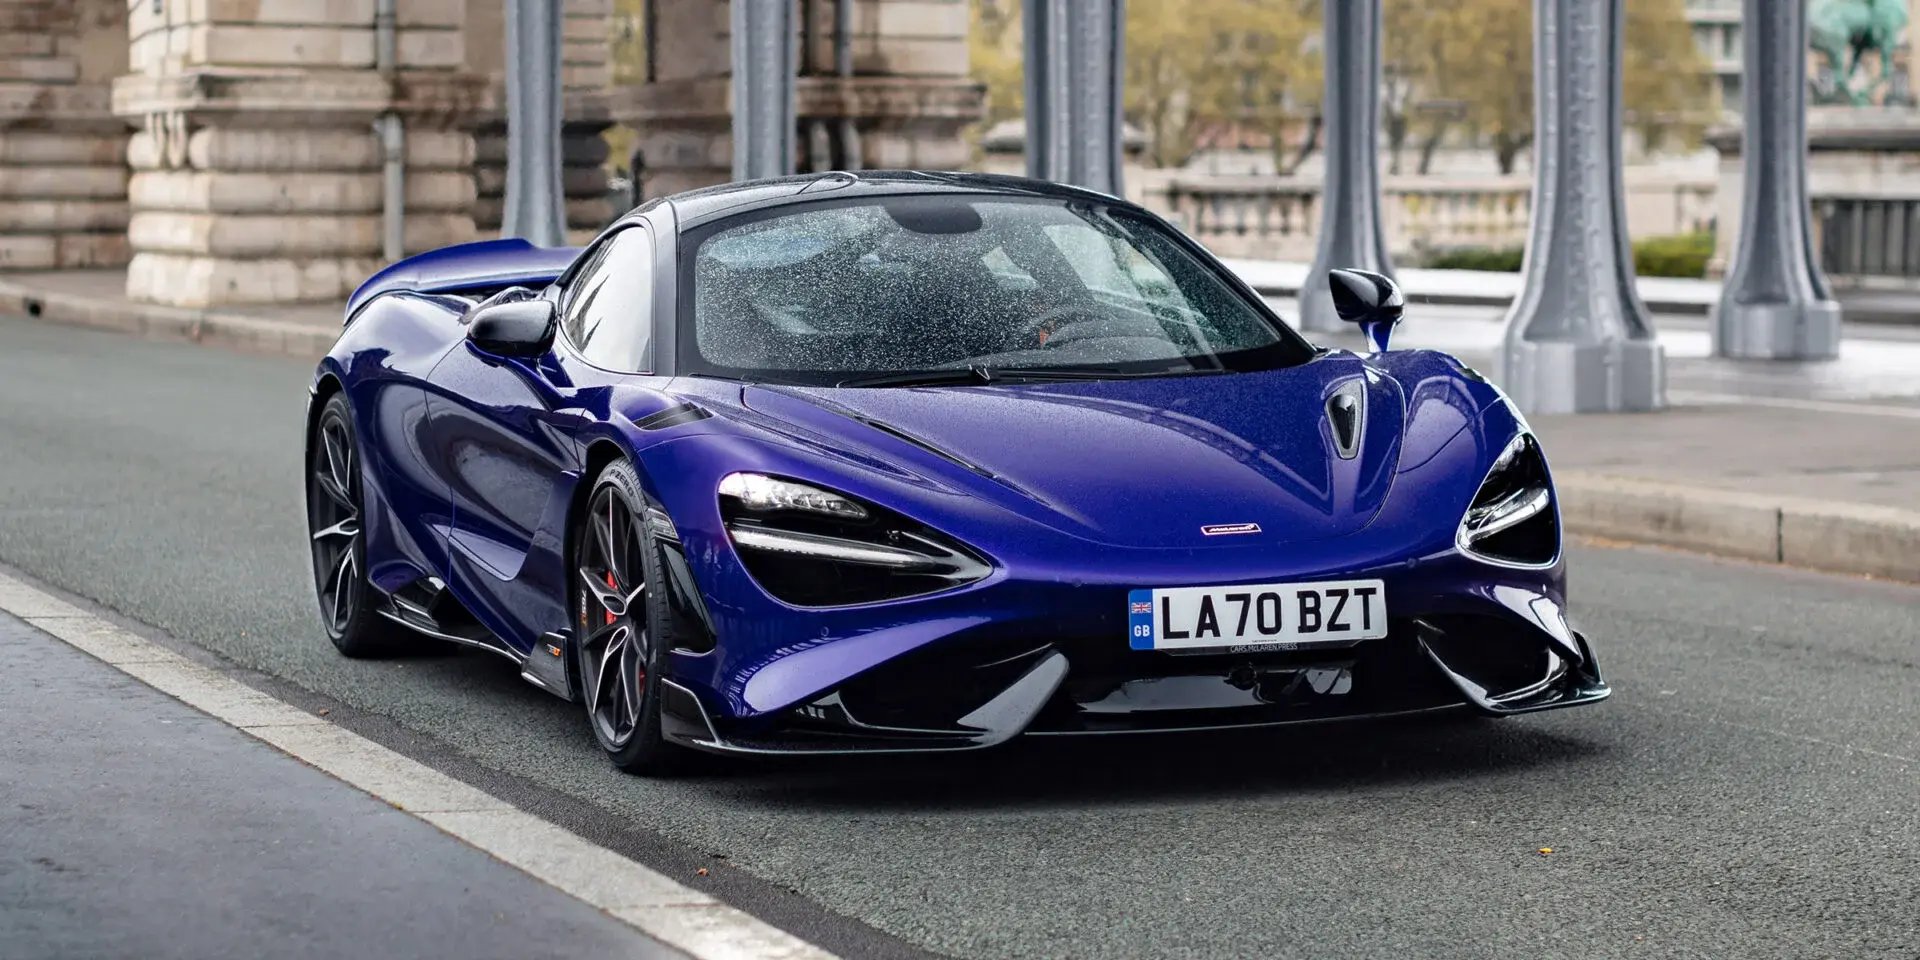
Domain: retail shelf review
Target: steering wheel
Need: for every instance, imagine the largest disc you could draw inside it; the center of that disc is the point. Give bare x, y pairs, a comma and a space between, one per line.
1039, 326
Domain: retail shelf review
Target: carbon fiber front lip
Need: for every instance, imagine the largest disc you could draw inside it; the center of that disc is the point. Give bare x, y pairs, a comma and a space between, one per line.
1567, 684
685, 721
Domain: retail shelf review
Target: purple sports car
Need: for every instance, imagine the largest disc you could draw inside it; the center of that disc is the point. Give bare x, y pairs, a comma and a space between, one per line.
919, 462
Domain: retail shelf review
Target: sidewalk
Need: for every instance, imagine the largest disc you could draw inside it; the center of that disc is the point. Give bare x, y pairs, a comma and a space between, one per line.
136, 826
97, 298
1811, 464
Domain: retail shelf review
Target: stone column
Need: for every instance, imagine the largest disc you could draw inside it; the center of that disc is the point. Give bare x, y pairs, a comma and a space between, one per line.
257, 167
1776, 303
1350, 231
63, 178
1578, 338
584, 79
1076, 56
902, 103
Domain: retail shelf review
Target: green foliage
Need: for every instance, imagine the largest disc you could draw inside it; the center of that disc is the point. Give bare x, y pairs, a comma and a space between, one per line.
1679, 255
1495, 259
1194, 68
994, 50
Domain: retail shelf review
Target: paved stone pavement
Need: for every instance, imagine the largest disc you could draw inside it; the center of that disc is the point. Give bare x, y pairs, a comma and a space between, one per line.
135, 826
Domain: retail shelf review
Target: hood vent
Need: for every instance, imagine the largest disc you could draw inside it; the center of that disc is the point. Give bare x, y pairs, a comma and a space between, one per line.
673, 416
1347, 415
905, 437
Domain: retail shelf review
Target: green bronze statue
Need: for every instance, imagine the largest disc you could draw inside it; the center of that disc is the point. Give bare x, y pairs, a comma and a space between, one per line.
1845, 31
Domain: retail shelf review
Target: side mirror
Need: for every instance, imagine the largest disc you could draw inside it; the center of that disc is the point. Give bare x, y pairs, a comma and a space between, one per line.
515, 328
1369, 299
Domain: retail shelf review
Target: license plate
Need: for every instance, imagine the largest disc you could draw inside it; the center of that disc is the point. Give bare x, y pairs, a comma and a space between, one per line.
1279, 616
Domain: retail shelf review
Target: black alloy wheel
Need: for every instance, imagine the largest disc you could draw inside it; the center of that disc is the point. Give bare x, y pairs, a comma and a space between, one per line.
621, 623
334, 525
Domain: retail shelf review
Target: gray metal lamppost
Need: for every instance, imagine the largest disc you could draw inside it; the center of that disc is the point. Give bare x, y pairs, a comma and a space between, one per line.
1350, 231
534, 207
1578, 338
1075, 65
763, 88
1776, 303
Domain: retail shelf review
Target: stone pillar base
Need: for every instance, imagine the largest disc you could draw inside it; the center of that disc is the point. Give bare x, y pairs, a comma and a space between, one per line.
1555, 376
1777, 331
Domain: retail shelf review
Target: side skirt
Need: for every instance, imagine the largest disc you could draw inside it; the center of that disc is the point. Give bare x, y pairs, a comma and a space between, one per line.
548, 666
427, 608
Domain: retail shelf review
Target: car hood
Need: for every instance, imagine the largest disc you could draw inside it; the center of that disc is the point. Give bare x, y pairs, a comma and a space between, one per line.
1182, 462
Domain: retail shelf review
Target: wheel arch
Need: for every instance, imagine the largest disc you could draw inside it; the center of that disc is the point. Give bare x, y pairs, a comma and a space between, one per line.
600, 452
324, 387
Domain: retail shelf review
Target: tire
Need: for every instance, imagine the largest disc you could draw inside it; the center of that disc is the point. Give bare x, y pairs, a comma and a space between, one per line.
335, 510
624, 627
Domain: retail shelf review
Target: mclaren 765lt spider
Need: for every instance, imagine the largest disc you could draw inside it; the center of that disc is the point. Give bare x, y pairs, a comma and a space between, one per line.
920, 462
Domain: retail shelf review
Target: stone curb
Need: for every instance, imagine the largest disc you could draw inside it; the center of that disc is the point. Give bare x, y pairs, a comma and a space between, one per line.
1873, 541
157, 322
1839, 537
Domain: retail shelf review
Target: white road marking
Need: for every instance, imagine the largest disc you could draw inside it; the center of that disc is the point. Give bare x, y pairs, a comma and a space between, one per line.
1789, 403
649, 901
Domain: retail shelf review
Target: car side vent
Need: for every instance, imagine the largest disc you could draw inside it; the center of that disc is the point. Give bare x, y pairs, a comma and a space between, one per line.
1346, 414
672, 416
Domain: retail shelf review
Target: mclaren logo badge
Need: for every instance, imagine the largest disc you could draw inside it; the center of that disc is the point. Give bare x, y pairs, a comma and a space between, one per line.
1229, 529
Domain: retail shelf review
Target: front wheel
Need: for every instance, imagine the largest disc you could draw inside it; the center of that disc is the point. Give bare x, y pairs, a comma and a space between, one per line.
623, 624
334, 523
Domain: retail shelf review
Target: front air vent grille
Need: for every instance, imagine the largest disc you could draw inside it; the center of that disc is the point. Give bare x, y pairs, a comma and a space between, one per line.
1346, 415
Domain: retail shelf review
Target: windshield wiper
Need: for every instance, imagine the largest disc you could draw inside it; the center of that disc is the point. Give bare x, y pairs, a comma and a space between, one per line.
973, 373
978, 374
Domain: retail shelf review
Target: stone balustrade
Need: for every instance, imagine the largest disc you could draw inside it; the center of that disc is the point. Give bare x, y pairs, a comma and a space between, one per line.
1275, 218
1868, 240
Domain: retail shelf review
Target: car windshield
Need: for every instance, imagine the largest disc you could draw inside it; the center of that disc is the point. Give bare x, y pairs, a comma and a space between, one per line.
902, 290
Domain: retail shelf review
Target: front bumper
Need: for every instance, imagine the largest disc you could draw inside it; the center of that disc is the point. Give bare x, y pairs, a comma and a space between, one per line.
972, 692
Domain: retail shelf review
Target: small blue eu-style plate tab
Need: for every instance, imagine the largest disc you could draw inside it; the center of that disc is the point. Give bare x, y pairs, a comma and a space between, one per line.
1140, 619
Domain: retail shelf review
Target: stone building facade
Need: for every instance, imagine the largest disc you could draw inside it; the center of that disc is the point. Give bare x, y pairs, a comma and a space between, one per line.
898, 95
63, 173
248, 151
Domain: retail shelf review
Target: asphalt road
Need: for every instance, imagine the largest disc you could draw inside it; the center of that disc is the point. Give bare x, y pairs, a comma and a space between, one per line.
1752, 790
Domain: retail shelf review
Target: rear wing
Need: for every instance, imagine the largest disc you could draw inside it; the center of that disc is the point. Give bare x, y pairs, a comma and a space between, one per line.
469, 268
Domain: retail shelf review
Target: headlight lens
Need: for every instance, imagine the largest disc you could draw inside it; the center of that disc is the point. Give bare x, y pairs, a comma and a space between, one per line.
764, 494
813, 547
1511, 519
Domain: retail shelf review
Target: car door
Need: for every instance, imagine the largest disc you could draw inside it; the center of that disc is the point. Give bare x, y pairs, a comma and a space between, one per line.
504, 430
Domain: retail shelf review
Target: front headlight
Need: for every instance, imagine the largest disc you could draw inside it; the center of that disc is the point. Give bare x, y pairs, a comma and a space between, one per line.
813, 547
764, 494
1511, 519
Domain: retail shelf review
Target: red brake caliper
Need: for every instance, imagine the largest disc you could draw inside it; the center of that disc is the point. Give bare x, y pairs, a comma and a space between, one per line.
640, 672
